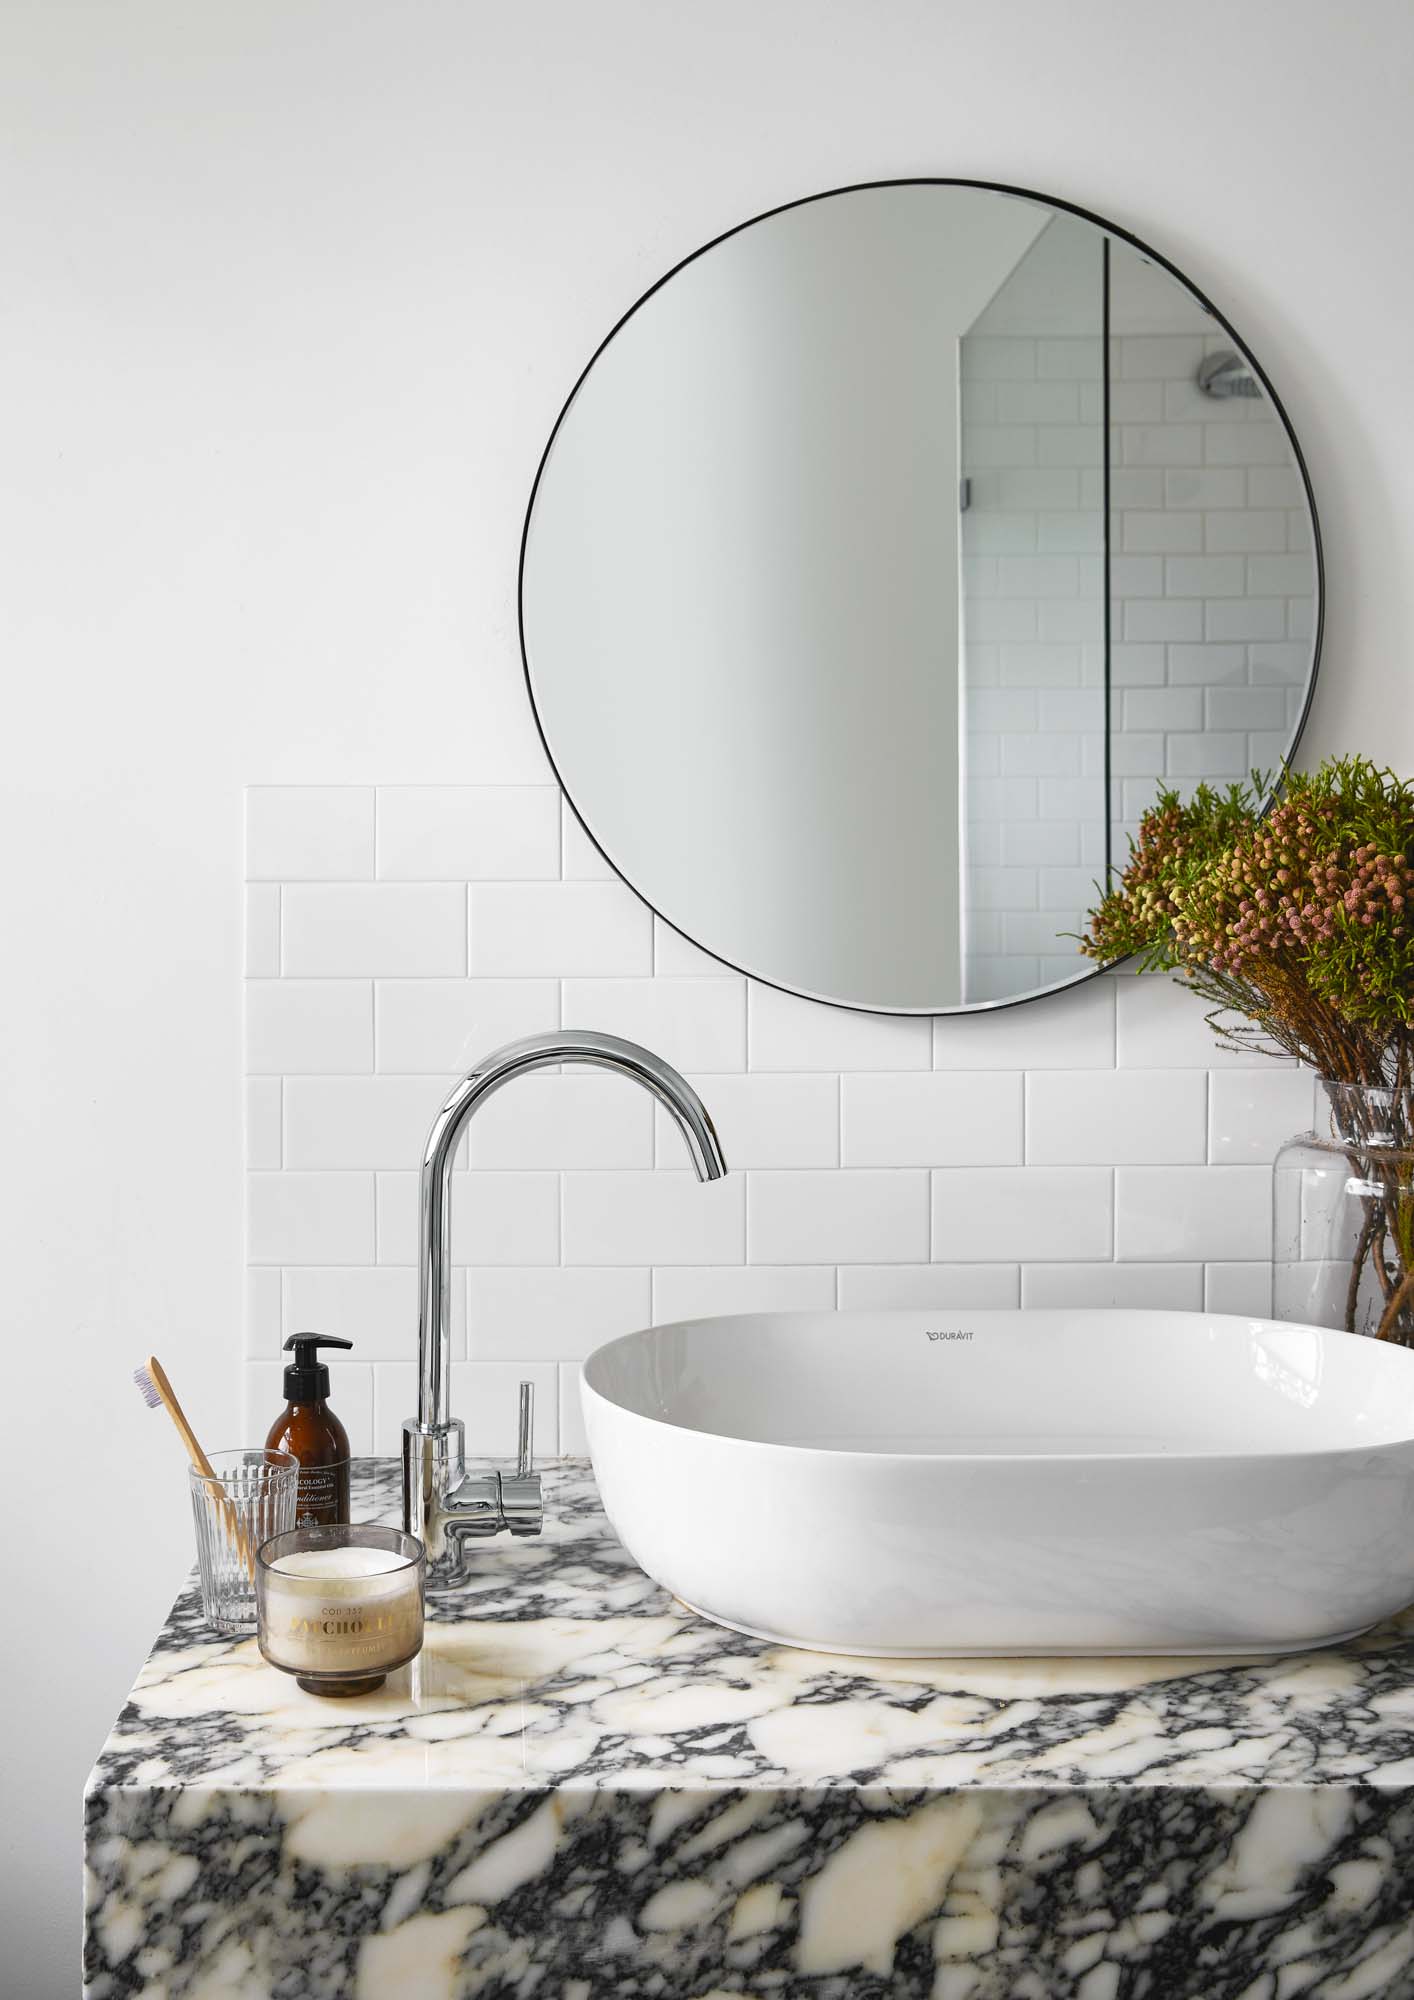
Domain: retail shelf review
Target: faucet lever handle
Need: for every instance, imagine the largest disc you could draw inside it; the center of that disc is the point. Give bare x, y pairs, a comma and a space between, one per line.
524, 1444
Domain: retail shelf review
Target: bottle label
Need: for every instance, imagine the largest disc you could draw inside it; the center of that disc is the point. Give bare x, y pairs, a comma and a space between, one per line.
323, 1499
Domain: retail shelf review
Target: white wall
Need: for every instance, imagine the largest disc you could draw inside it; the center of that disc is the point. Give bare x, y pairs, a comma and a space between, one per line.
293, 293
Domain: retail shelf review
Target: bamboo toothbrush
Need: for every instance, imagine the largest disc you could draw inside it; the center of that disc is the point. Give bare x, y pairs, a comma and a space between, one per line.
155, 1389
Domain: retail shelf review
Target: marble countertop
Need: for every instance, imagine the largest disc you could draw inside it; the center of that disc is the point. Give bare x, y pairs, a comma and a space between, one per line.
578, 1772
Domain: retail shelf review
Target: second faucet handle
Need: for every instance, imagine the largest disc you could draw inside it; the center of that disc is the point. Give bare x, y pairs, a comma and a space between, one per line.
522, 1506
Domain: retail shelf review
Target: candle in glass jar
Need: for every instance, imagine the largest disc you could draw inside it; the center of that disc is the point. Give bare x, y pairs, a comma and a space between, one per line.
340, 1607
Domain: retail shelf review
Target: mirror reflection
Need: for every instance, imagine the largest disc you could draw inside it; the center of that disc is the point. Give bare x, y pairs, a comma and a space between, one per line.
885, 563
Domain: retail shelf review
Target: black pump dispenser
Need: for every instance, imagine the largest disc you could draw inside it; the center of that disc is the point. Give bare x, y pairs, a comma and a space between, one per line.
307, 1377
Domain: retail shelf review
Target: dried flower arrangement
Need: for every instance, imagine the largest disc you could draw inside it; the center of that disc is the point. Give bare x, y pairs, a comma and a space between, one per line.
1299, 919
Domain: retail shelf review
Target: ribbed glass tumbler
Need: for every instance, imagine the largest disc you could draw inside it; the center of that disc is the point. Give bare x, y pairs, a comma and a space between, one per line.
250, 1497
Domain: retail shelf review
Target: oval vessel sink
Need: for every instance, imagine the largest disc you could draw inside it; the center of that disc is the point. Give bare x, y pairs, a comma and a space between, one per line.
1013, 1482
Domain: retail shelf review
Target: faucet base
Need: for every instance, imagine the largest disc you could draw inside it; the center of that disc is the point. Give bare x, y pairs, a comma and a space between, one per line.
445, 1506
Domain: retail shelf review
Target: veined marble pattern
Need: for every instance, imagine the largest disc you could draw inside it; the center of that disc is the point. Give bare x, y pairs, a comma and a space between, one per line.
581, 1789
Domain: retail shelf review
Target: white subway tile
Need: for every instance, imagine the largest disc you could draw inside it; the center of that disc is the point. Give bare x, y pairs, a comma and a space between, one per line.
1181, 1213
1107, 1116
351, 1397
1209, 665
262, 1122
1163, 618
764, 1120
1252, 1113
653, 1218
1162, 533
497, 1218
1248, 530
447, 1025
1035, 841
1017, 1214
926, 1287
1071, 1030
1146, 357
559, 930
556, 1311
262, 1309
1245, 444
574, 1119
1162, 1025
468, 833
485, 1395
1188, 487
374, 1306
676, 957
1244, 618
695, 1024
1146, 1287
1245, 708
309, 833
580, 859
359, 930
1207, 754
294, 1218
1163, 708
1245, 1289
262, 930
947, 1118
1205, 576
704, 1291
308, 1026
786, 1032
572, 1434
360, 1121
845, 1217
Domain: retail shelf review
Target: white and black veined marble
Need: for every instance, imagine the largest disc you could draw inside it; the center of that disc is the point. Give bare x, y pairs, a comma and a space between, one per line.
581, 1790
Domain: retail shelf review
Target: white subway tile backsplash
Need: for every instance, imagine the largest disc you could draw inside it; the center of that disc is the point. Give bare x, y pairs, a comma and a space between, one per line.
1108, 1116
705, 1290
423, 1026
497, 1218
877, 1161
580, 859
847, 1217
654, 1218
385, 929
926, 1287
575, 1119
1144, 1287
301, 1218
262, 930
468, 833
1021, 1214
764, 1120
1070, 1030
561, 1311
360, 1121
374, 1306
572, 1433
559, 930
262, 1122
785, 1032
695, 1024
1177, 1213
1245, 1289
949, 1118
485, 1396
309, 833
1252, 1113
308, 1027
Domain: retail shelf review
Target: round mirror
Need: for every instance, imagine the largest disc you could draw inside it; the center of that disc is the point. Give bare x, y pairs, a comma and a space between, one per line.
887, 560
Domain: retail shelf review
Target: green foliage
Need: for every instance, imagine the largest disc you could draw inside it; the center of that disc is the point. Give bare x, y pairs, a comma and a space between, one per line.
1301, 918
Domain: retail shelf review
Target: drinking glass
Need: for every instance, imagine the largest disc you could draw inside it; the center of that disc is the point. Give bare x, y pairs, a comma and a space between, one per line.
249, 1497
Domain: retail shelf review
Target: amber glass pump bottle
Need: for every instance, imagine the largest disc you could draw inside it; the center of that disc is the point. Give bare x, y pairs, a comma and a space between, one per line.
308, 1428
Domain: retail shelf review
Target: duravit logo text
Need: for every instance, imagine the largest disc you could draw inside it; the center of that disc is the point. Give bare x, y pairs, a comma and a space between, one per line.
950, 1333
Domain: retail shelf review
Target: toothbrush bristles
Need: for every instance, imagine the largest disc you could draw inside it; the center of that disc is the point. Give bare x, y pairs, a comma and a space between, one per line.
146, 1388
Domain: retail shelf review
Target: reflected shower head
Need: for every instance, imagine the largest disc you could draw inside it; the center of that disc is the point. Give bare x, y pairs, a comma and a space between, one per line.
1226, 374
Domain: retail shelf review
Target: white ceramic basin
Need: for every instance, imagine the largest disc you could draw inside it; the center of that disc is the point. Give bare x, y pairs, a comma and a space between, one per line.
1013, 1482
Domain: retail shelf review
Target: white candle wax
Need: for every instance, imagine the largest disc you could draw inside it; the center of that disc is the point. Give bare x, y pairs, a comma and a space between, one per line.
342, 1611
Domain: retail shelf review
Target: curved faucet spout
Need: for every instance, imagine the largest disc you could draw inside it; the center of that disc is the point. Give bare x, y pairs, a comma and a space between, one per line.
437, 1503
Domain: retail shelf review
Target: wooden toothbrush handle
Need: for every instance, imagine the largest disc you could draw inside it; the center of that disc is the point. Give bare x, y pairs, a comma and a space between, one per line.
178, 1415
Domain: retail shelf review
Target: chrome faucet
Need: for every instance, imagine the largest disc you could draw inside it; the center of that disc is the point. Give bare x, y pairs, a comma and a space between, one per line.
443, 1504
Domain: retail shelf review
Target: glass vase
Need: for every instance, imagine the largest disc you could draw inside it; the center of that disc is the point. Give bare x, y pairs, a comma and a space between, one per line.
1343, 1241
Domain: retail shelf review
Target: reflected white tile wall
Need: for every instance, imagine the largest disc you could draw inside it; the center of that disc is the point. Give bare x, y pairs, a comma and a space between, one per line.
1094, 1148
